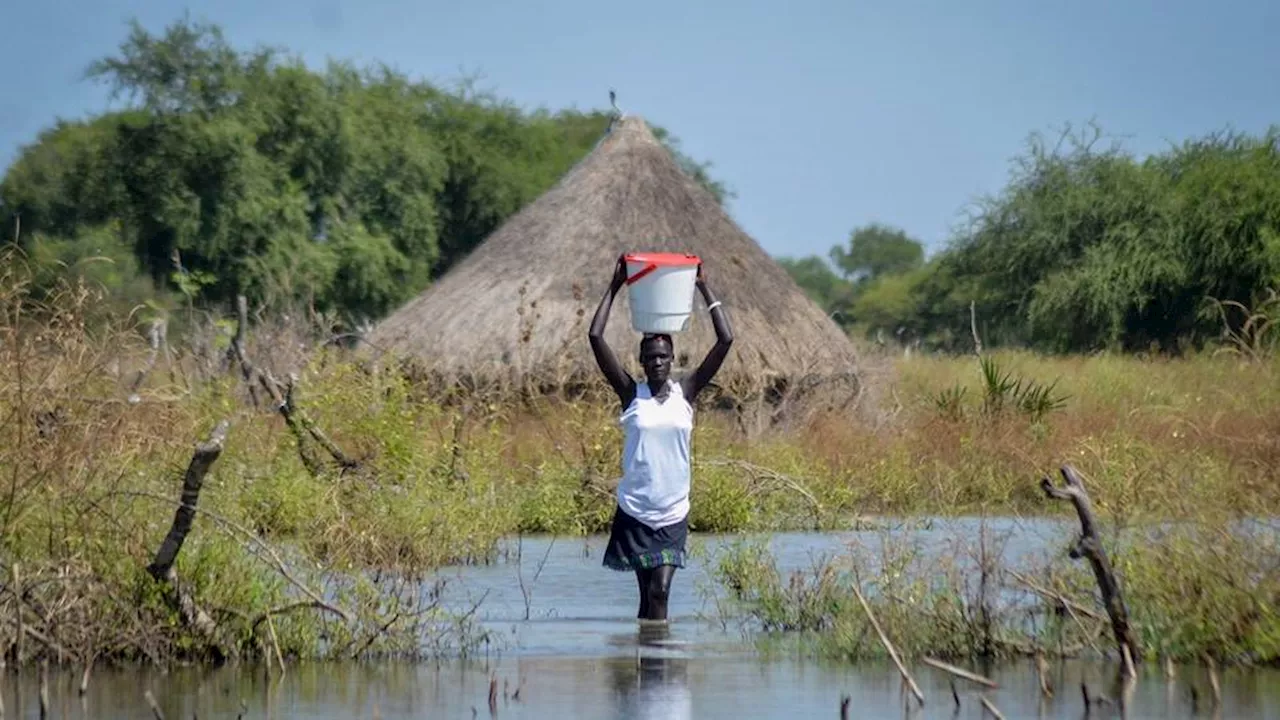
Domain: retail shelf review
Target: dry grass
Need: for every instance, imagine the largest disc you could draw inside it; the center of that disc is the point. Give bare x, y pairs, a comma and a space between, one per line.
90, 461
1158, 435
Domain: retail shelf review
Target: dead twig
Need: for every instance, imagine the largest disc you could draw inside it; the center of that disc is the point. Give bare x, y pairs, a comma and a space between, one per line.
991, 708
301, 425
285, 609
237, 350
1214, 685
1061, 599
282, 396
52, 647
84, 677
275, 643
527, 592
343, 460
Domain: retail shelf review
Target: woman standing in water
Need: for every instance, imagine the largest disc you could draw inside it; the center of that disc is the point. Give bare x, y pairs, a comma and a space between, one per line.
650, 524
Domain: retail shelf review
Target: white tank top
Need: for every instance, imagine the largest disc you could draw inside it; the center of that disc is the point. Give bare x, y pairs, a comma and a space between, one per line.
655, 457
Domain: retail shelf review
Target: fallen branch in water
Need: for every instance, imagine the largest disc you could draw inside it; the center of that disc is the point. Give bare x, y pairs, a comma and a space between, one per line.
960, 672
888, 646
1089, 546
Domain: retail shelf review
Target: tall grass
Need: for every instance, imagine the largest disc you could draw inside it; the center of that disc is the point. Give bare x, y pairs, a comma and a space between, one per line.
92, 449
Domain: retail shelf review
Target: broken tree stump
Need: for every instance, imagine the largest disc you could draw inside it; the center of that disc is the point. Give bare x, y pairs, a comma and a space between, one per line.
1089, 546
162, 565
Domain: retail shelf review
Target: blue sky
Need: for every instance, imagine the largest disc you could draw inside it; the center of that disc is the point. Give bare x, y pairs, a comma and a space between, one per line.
822, 116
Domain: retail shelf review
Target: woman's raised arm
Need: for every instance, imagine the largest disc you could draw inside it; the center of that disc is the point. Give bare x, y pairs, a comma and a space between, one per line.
693, 384
619, 380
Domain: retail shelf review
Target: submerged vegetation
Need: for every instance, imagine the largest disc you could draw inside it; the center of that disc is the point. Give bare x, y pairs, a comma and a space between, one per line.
1203, 588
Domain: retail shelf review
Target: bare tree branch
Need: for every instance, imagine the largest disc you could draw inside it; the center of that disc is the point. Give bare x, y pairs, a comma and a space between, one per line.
162, 566
1089, 546
205, 455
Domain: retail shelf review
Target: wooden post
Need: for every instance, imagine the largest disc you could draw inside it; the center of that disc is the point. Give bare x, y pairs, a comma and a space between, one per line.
1089, 546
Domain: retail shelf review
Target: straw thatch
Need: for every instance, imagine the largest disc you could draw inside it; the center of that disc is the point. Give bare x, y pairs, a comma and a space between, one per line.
520, 304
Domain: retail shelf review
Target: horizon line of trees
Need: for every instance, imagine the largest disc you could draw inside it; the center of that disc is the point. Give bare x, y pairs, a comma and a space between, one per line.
350, 190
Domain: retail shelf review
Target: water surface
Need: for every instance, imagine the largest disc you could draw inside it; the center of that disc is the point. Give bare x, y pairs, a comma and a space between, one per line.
569, 643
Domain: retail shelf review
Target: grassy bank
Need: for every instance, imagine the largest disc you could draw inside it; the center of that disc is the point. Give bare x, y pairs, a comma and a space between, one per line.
101, 424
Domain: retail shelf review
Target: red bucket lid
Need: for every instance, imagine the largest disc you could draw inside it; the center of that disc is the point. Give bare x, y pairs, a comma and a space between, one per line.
662, 259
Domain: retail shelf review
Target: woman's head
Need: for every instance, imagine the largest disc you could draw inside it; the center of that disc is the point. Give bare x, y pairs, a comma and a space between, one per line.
656, 355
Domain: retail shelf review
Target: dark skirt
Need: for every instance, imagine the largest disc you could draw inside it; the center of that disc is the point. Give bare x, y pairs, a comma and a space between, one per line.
636, 546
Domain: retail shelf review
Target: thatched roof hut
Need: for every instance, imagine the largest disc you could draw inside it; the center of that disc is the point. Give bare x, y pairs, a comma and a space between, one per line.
521, 302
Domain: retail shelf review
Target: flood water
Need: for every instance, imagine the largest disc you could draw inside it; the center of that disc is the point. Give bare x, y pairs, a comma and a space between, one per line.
569, 643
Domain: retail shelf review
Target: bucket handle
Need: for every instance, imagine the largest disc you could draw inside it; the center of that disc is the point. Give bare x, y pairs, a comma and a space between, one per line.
643, 271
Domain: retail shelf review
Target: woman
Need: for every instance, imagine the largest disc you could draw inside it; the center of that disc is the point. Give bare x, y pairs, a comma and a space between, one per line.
650, 524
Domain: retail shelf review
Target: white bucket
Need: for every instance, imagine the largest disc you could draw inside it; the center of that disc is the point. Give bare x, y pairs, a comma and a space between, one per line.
660, 290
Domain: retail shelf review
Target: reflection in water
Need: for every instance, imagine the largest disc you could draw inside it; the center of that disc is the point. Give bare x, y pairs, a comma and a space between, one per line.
655, 683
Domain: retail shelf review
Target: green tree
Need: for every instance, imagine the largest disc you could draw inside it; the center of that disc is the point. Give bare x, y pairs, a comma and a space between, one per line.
875, 250
822, 285
1090, 248
346, 189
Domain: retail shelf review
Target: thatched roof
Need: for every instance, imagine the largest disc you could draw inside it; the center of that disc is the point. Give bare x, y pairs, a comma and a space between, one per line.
522, 301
